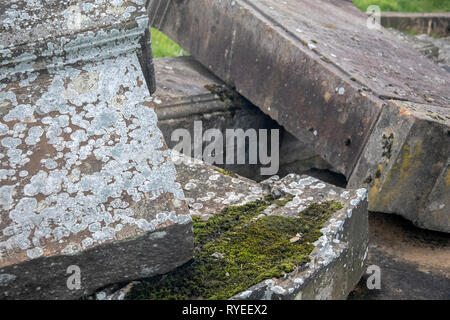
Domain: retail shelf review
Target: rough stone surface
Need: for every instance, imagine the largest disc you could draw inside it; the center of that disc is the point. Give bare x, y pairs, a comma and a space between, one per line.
208, 191
86, 177
316, 68
37, 34
436, 49
405, 164
337, 262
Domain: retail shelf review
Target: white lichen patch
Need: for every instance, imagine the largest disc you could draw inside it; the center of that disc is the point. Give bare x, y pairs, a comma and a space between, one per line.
64, 16
95, 157
5, 278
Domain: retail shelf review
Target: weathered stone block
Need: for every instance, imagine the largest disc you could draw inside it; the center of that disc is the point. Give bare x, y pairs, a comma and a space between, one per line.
337, 260
86, 178
435, 23
317, 69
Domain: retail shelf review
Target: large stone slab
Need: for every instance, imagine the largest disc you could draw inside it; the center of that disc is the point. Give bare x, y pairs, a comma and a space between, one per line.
87, 182
337, 261
431, 23
320, 72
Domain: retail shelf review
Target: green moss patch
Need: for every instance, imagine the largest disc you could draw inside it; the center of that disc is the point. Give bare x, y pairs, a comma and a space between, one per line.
236, 250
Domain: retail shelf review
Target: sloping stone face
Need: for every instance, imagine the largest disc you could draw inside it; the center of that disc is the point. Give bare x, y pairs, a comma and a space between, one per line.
317, 69
337, 262
86, 177
207, 99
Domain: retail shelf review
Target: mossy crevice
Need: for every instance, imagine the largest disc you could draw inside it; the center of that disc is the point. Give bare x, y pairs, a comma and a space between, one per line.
238, 249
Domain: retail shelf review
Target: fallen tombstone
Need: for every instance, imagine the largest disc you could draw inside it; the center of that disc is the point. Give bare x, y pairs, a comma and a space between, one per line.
373, 108
206, 99
430, 23
88, 193
236, 219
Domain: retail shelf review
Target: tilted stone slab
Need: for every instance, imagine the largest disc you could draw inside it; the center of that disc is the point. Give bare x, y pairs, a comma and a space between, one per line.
86, 178
337, 261
205, 98
319, 71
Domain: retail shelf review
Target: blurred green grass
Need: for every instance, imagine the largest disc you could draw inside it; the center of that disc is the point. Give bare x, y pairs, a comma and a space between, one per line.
163, 46
406, 5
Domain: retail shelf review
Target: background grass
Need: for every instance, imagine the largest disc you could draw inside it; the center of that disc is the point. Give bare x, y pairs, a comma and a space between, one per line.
406, 5
163, 46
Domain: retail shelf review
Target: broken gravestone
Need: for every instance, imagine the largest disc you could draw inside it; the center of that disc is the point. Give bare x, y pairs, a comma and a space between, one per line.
88, 193
372, 107
430, 23
257, 241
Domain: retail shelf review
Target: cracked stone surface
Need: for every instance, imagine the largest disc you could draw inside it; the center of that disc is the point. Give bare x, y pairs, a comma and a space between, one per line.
315, 68
86, 176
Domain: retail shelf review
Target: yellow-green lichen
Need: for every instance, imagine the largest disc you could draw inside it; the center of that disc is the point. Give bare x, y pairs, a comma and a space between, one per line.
236, 250
226, 173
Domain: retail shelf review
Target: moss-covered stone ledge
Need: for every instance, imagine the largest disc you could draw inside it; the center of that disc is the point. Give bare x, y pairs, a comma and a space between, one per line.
337, 260
241, 227
239, 248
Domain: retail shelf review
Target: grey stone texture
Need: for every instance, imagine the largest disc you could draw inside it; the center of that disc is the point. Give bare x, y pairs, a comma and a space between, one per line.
317, 69
436, 49
431, 23
86, 176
